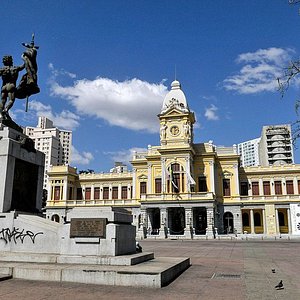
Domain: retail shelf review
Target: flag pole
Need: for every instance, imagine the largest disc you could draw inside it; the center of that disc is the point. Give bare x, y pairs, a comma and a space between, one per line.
26, 107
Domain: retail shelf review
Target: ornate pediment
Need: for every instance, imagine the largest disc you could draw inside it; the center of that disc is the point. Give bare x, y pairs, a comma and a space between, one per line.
142, 177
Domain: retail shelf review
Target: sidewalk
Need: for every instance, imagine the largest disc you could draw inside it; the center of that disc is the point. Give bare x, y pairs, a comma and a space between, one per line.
220, 270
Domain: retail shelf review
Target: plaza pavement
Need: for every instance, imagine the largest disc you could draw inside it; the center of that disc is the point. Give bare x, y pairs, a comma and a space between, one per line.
220, 270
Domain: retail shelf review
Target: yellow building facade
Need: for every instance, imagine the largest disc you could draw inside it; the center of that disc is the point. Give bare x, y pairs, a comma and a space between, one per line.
184, 189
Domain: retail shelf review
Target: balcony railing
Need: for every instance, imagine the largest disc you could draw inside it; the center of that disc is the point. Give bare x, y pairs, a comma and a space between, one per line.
110, 202
181, 196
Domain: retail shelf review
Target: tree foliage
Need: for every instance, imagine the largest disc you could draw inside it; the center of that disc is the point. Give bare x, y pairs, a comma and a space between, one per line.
289, 75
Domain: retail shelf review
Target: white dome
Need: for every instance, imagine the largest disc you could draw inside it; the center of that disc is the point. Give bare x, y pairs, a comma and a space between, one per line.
175, 98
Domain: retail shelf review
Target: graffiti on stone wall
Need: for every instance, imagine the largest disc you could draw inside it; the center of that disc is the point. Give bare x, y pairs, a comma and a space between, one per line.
16, 235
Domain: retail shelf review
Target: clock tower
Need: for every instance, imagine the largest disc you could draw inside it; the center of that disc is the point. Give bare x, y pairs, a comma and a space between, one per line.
176, 120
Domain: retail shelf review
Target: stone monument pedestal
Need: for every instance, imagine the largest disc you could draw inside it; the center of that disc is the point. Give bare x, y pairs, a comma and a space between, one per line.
21, 172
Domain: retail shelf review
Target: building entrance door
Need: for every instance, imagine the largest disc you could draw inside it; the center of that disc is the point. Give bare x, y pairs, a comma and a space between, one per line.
200, 220
176, 220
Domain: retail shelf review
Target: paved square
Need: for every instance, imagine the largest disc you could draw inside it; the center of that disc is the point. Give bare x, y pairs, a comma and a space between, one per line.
220, 270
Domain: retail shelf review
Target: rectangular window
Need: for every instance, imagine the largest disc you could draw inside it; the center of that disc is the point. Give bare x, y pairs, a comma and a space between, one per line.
96, 193
124, 192
202, 184
278, 188
157, 185
106, 193
226, 187
255, 188
244, 188
267, 188
88, 193
143, 188
70, 193
79, 194
56, 193
290, 187
115, 192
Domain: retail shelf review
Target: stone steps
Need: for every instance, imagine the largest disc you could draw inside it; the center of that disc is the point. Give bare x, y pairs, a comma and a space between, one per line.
155, 273
121, 260
4, 276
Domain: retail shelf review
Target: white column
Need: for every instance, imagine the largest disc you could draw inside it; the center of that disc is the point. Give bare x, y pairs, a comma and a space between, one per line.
264, 221
101, 191
119, 190
252, 221
134, 183
277, 221
237, 180
284, 187
288, 213
149, 182
128, 191
188, 222
212, 177
296, 189
210, 221
250, 189
110, 192
187, 171
163, 176
163, 220
261, 186
272, 186
65, 189
92, 192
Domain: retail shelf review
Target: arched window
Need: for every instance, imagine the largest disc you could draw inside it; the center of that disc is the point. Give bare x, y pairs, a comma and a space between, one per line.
257, 219
228, 222
55, 218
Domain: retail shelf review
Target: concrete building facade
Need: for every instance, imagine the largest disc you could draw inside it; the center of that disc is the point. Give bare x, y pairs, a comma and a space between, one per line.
183, 189
276, 147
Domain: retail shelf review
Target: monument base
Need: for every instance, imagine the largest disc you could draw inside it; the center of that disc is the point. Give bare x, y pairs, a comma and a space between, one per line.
154, 273
85, 250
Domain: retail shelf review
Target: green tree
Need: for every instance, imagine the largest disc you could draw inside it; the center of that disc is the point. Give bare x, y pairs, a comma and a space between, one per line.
289, 75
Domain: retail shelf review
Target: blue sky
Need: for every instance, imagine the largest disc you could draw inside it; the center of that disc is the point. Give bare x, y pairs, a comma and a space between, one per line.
105, 66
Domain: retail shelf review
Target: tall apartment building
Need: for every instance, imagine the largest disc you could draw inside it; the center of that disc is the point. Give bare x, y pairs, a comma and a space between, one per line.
276, 147
53, 142
249, 153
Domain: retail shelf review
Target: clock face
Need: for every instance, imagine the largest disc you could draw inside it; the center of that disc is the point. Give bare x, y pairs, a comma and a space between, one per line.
174, 130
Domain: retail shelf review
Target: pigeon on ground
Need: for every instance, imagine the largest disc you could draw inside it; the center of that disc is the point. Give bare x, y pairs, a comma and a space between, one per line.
279, 286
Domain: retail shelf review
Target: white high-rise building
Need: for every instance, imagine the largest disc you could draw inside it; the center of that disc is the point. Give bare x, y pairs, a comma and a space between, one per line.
53, 142
249, 152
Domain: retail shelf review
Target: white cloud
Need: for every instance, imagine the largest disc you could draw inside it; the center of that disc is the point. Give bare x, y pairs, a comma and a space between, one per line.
124, 156
211, 113
132, 104
63, 120
260, 71
62, 72
78, 158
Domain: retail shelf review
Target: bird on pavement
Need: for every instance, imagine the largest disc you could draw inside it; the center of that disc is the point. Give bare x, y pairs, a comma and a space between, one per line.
279, 285
273, 271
